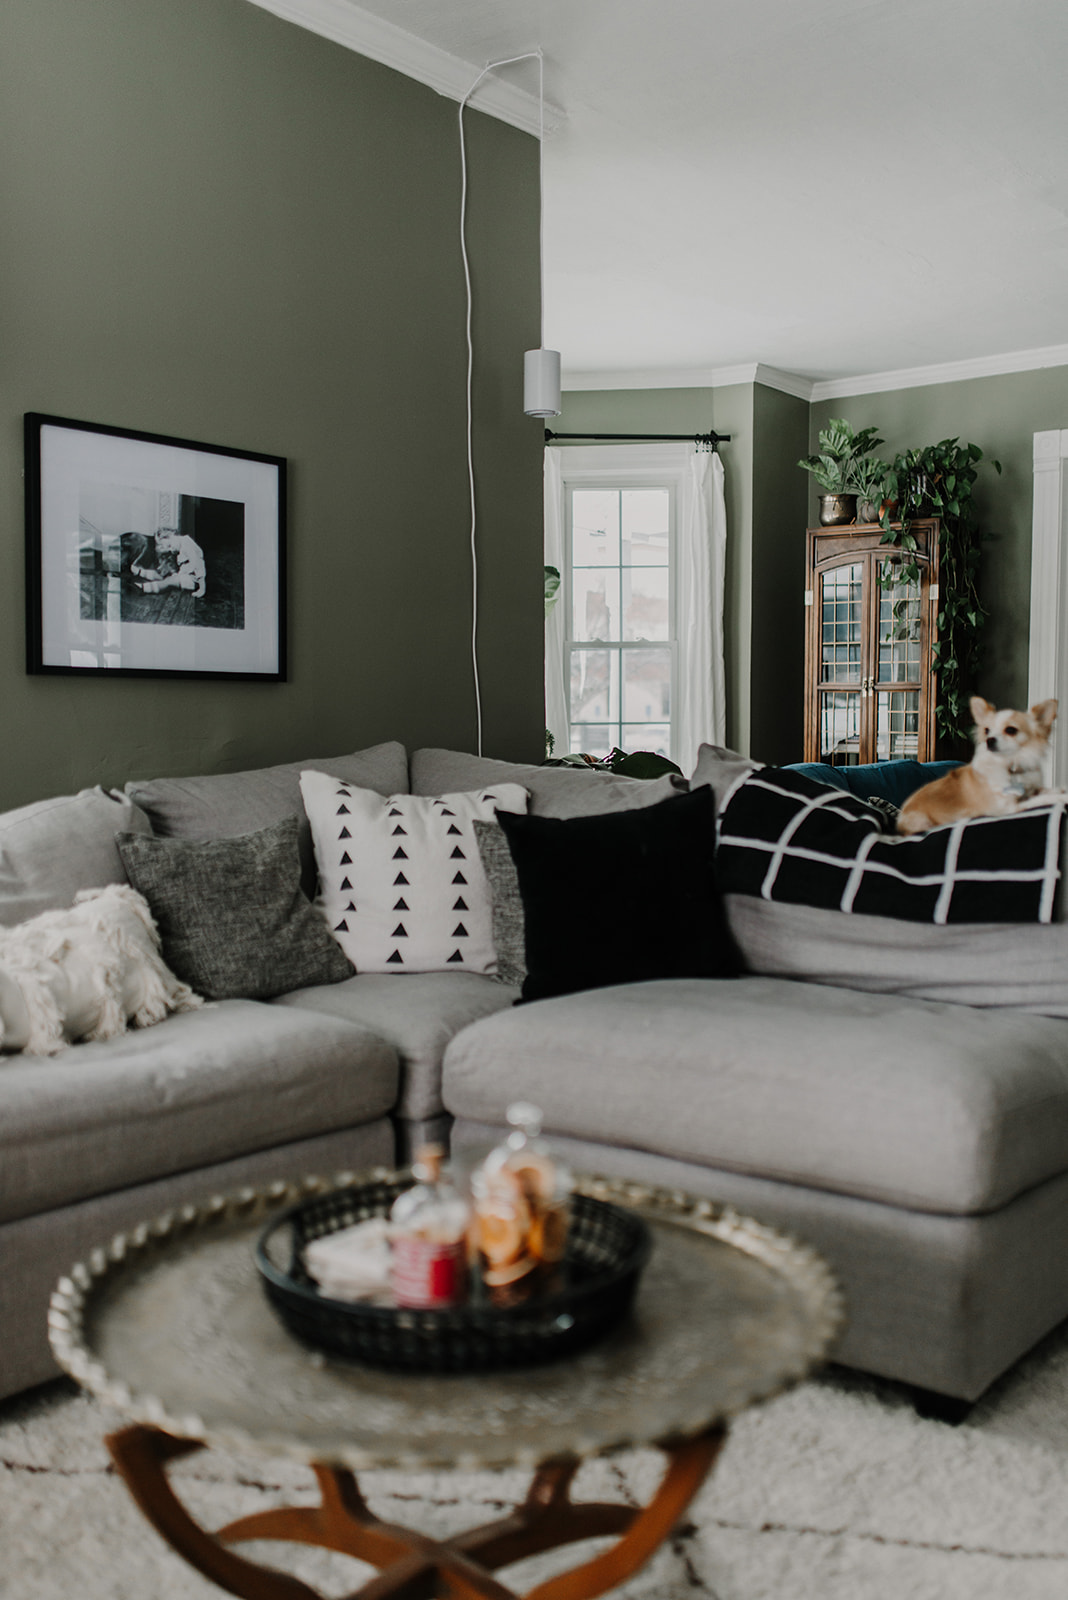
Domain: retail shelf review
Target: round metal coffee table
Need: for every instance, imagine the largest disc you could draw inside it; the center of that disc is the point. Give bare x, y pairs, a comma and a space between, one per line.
170, 1325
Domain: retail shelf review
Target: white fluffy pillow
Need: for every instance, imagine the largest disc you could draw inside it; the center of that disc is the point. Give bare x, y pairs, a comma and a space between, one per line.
401, 882
85, 973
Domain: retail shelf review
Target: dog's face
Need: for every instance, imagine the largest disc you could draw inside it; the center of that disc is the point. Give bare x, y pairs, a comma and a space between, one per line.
1013, 737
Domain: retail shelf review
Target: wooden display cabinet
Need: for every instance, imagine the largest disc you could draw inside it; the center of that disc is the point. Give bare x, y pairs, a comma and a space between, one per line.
869, 682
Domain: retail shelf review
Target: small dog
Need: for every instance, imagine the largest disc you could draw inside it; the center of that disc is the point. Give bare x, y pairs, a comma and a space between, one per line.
1005, 772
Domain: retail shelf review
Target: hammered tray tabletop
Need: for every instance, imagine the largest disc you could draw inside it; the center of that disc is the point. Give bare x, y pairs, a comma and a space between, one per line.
171, 1325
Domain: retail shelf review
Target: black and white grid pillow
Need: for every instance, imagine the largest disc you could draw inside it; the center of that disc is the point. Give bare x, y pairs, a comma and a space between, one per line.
401, 882
785, 836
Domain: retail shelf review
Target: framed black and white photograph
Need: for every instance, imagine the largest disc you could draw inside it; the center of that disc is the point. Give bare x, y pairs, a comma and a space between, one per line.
147, 554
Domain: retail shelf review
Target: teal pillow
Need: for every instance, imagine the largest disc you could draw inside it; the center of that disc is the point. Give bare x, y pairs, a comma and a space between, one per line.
883, 780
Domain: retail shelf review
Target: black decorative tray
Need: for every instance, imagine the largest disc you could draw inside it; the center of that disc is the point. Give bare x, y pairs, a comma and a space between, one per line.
607, 1248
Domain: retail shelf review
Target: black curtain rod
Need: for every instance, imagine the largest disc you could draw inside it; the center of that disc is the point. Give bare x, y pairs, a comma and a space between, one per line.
710, 438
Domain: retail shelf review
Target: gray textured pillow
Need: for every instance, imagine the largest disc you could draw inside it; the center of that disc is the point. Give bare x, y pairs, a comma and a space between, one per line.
233, 918
509, 928
218, 805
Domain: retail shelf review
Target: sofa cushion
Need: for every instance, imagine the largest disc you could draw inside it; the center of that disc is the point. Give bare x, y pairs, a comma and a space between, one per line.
620, 898
200, 1087
554, 791
933, 1107
417, 1013
401, 883
719, 769
509, 926
233, 918
50, 850
223, 803
984, 964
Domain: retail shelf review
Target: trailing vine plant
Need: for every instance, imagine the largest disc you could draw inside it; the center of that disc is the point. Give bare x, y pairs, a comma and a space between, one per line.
937, 480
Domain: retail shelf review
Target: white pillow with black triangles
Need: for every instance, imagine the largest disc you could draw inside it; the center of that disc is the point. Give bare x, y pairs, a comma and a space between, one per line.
401, 882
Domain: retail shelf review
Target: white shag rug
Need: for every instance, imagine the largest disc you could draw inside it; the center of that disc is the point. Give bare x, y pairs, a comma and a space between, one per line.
835, 1491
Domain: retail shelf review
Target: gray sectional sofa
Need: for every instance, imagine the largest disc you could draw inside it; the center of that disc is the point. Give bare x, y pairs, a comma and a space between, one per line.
905, 1111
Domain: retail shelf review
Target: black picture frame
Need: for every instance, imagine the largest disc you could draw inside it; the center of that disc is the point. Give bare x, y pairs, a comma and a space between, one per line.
152, 556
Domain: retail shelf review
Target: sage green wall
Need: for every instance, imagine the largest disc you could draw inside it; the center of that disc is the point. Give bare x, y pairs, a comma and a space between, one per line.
1001, 415
726, 410
780, 503
220, 226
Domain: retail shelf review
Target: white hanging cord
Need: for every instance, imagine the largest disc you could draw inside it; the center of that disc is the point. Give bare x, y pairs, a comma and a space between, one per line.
530, 55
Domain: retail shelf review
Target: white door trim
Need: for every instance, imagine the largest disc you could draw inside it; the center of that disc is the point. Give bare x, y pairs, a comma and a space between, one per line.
1048, 656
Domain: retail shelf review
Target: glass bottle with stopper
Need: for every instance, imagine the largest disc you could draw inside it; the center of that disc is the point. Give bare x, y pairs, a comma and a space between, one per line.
429, 1246
519, 1217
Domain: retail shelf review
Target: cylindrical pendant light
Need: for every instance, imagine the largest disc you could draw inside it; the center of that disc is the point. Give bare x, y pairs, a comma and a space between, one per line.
541, 367
541, 383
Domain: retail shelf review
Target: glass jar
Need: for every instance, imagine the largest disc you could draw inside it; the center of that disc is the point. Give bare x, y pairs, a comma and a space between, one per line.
520, 1197
428, 1266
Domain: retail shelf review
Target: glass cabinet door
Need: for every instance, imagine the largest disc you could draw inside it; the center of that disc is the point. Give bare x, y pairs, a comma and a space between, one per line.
898, 673
870, 690
841, 624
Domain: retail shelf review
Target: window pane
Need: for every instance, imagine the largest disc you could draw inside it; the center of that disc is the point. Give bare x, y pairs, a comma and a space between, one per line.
897, 730
645, 603
646, 521
840, 729
595, 527
595, 603
840, 591
589, 739
594, 686
899, 633
654, 736
646, 685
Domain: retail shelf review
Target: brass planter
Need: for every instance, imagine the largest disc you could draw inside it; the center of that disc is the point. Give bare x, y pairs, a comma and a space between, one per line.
837, 508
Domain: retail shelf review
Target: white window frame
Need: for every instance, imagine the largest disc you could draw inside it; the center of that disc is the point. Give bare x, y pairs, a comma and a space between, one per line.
637, 466
621, 646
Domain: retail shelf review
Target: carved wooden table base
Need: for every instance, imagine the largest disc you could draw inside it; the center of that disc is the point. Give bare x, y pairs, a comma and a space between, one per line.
412, 1566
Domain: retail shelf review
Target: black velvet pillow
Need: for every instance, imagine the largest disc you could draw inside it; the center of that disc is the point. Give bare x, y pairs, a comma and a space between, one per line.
234, 921
622, 897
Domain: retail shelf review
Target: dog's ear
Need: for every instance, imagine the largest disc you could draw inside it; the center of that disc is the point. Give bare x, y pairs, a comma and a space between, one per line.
1044, 713
980, 708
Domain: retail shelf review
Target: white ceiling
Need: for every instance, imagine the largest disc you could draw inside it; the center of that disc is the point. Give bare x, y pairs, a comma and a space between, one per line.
834, 189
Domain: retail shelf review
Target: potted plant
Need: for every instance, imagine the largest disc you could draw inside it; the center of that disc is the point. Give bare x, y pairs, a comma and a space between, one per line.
870, 479
937, 480
834, 466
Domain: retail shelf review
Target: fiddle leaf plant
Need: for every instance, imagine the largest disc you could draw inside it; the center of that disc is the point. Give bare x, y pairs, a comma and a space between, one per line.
937, 480
840, 449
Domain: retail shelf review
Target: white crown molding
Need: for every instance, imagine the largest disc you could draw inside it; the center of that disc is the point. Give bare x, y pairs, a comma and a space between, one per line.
1054, 355
787, 382
347, 24
692, 378
813, 389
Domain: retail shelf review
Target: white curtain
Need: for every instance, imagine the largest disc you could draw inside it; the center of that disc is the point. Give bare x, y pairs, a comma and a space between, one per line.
701, 551
557, 705
699, 711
